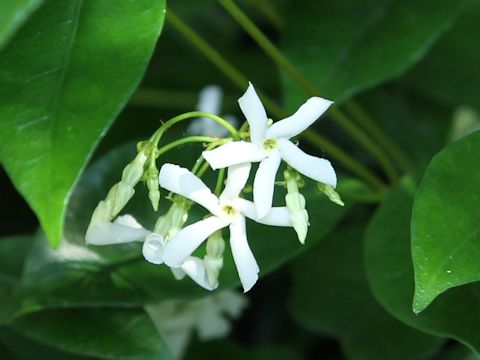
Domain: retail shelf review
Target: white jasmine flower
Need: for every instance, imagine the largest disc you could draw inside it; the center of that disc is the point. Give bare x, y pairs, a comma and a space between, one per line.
227, 210
127, 229
270, 144
210, 101
210, 317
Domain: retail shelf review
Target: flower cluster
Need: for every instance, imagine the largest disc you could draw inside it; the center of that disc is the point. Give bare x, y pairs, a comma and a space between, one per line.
171, 242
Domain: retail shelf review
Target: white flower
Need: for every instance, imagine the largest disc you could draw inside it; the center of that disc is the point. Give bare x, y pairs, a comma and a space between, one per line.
210, 101
270, 144
227, 210
127, 229
210, 316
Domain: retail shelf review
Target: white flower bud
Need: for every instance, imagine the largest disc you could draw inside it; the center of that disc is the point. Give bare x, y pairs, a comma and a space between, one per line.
101, 213
296, 205
132, 173
330, 193
213, 260
172, 222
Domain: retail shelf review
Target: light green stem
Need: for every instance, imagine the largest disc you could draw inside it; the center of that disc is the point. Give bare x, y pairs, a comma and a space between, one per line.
185, 140
271, 50
193, 114
237, 78
220, 178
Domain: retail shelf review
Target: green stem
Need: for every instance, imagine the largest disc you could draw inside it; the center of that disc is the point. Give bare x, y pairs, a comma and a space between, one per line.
276, 55
369, 125
193, 114
346, 160
185, 140
223, 65
220, 178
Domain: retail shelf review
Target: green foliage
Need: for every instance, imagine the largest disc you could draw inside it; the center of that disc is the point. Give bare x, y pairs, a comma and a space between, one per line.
390, 274
339, 302
65, 77
13, 13
450, 72
77, 275
445, 224
106, 333
343, 47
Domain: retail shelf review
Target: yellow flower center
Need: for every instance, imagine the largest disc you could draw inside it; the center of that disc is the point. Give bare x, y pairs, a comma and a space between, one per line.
229, 210
269, 144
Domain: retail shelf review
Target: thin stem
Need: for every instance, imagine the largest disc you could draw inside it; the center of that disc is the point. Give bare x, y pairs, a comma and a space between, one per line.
185, 140
346, 160
218, 60
220, 178
193, 114
202, 170
369, 125
277, 56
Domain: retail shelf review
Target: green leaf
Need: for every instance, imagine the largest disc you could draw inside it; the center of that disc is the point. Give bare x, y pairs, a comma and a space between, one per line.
450, 73
343, 47
445, 224
330, 295
390, 274
13, 13
65, 77
77, 275
23, 348
106, 333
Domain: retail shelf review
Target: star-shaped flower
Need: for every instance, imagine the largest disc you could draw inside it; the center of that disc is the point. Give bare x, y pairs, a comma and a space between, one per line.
127, 229
227, 210
270, 144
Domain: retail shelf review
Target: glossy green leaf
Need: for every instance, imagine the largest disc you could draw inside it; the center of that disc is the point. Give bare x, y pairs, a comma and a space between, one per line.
13, 13
450, 72
105, 333
343, 47
330, 295
118, 275
63, 80
23, 348
445, 225
390, 274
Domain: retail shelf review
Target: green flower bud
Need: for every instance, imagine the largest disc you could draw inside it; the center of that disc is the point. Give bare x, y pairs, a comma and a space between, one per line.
172, 222
330, 193
101, 213
120, 194
213, 260
132, 173
295, 202
152, 184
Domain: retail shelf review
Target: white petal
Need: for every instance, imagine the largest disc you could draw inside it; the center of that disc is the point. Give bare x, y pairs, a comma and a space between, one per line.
305, 116
181, 181
237, 177
246, 264
188, 239
233, 153
316, 168
264, 184
194, 267
255, 114
277, 216
210, 99
107, 233
153, 248
128, 220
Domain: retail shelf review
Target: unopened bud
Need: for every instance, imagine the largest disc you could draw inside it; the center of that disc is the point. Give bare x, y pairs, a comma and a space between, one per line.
132, 173
172, 222
101, 214
213, 260
295, 202
330, 193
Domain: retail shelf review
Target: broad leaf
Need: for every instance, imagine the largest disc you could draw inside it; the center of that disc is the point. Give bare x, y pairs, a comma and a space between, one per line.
64, 78
330, 295
105, 333
118, 275
343, 47
445, 225
12, 15
390, 274
450, 72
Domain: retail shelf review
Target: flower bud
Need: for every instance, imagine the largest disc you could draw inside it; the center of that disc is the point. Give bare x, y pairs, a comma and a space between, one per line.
295, 202
171, 223
330, 193
132, 173
152, 184
101, 214
213, 260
